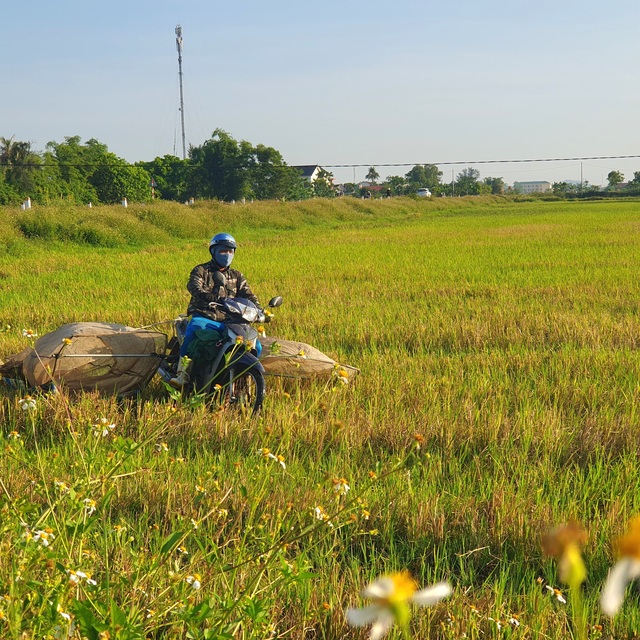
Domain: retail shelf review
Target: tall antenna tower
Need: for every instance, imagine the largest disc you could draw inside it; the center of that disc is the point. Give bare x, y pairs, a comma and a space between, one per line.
179, 47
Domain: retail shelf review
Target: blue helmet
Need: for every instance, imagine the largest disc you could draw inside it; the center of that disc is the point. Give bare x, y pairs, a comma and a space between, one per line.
222, 249
223, 240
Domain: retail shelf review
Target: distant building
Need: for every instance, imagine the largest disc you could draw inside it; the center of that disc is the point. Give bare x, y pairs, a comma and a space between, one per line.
365, 184
309, 171
533, 186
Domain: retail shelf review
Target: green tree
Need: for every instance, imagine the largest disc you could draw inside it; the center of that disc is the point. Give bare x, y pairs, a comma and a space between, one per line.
425, 175
372, 175
323, 185
115, 179
75, 163
614, 178
467, 182
399, 185
562, 188
496, 185
271, 177
172, 176
350, 188
19, 165
221, 167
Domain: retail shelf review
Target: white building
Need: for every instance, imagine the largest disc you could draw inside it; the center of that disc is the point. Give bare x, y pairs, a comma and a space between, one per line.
309, 171
533, 186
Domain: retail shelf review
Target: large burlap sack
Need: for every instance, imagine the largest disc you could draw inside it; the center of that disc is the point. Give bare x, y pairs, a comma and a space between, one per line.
110, 358
290, 359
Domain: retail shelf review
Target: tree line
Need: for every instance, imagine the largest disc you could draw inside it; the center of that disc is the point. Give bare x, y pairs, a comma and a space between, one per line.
221, 168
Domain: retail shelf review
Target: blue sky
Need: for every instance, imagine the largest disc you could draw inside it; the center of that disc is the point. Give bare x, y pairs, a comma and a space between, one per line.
332, 83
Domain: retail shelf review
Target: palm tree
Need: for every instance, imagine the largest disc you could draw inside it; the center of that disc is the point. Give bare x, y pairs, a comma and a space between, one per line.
373, 175
17, 162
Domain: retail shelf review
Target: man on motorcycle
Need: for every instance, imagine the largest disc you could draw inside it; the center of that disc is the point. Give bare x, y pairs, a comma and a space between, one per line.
209, 283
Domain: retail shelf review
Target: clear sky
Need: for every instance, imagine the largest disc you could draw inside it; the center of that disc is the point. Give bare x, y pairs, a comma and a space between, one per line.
335, 82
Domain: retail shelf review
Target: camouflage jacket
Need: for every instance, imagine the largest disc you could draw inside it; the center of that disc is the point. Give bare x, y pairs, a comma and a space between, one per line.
204, 290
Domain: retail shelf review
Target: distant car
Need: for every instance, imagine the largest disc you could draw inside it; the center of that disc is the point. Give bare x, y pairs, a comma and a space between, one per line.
423, 193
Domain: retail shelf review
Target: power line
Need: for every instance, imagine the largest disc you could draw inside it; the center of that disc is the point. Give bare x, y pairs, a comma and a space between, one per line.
334, 166
454, 162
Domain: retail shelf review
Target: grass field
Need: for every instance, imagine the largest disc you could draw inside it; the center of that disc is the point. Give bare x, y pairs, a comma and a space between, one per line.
498, 398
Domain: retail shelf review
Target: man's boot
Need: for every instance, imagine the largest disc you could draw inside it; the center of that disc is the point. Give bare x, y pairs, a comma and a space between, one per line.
183, 374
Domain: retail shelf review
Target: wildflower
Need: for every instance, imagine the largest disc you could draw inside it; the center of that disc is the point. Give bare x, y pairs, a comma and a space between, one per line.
498, 623
419, 439
14, 435
301, 354
261, 332
161, 447
239, 340
373, 475
182, 551
320, 514
342, 375
118, 528
557, 593
340, 486
513, 621
27, 403
266, 454
194, 581
61, 486
29, 333
103, 427
625, 571
391, 596
63, 614
76, 577
67, 341
564, 544
201, 489
43, 536
194, 523
89, 506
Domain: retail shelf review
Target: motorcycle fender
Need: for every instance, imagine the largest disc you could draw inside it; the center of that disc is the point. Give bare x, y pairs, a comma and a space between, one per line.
248, 360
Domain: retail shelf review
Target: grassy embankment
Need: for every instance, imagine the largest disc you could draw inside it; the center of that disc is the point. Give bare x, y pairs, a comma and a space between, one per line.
504, 335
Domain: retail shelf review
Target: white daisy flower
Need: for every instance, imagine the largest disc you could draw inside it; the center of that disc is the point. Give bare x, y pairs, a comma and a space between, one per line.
391, 596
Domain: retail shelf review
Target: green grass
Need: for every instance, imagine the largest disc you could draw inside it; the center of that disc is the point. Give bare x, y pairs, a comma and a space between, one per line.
504, 333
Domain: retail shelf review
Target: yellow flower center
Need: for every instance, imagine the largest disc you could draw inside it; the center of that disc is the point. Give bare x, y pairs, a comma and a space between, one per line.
404, 586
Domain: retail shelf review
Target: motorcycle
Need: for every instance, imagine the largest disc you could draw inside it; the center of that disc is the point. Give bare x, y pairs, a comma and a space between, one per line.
234, 372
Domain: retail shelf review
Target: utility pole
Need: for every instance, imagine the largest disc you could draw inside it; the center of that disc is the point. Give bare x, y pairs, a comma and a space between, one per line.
179, 47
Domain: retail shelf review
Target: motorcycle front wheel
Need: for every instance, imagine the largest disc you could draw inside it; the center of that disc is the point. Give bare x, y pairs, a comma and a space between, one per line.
246, 389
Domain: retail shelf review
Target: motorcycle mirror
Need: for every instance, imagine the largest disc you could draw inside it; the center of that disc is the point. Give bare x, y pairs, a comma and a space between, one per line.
275, 302
219, 278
